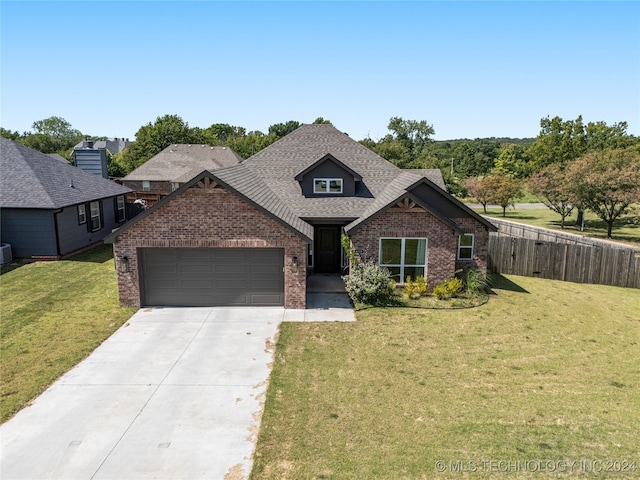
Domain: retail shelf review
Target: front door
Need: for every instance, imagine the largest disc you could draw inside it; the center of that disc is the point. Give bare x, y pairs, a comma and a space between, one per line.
327, 249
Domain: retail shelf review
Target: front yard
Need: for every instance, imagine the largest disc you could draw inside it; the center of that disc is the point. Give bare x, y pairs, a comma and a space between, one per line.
545, 374
53, 315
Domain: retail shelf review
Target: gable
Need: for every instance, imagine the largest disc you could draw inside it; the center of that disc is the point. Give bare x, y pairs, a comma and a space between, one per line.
445, 204
326, 173
248, 188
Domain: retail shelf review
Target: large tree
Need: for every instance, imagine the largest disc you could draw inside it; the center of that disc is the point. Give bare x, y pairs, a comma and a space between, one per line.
282, 129
607, 182
559, 141
251, 143
550, 184
413, 134
152, 138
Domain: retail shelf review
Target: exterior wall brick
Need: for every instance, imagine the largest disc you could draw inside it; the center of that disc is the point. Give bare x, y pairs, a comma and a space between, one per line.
442, 241
210, 218
480, 245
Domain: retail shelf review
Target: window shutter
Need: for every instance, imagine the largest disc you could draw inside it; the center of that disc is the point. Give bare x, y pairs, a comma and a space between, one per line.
87, 211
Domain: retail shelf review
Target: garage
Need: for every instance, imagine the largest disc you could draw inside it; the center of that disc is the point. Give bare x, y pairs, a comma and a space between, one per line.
203, 277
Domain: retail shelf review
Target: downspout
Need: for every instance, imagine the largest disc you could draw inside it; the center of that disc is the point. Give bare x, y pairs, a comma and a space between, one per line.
55, 226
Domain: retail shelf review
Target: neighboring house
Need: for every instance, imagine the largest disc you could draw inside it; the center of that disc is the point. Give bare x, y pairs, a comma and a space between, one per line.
174, 166
250, 234
91, 156
49, 208
113, 146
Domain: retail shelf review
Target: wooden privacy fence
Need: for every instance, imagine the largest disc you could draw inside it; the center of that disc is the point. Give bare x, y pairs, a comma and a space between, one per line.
539, 252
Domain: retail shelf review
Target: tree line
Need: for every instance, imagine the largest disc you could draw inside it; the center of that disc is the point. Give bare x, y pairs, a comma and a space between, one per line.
569, 165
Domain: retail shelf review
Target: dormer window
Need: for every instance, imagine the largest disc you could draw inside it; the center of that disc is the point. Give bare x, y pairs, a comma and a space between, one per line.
327, 185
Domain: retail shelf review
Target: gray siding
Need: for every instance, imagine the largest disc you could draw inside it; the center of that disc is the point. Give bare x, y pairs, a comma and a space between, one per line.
31, 232
439, 202
329, 169
92, 161
73, 236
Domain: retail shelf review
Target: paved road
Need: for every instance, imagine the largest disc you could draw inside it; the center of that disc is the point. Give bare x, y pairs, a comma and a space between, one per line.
518, 206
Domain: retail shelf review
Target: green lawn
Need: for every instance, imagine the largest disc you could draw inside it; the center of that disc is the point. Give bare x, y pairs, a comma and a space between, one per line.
626, 228
53, 315
546, 371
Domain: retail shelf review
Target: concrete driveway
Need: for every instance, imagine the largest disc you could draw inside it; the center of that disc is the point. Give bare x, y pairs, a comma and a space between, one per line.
173, 394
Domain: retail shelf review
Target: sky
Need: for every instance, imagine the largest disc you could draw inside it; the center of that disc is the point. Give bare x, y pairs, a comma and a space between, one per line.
470, 69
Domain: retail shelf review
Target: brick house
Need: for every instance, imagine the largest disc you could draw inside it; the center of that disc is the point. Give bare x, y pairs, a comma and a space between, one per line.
251, 233
172, 167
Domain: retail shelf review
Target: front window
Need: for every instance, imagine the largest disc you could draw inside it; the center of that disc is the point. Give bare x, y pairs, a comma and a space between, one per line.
465, 246
175, 186
82, 215
120, 205
94, 207
404, 257
146, 186
327, 185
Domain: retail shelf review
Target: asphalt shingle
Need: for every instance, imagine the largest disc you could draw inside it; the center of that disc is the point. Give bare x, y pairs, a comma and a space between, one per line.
182, 162
30, 179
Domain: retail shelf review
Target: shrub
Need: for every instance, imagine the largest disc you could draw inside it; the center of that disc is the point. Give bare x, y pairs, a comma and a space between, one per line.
475, 281
369, 284
448, 288
415, 289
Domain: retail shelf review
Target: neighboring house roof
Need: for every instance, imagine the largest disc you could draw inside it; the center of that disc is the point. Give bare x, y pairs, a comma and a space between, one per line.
182, 162
30, 179
270, 180
113, 146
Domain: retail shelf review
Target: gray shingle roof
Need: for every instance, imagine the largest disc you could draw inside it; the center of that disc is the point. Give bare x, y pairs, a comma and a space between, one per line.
280, 162
182, 162
30, 179
395, 191
113, 146
268, 181
238, 180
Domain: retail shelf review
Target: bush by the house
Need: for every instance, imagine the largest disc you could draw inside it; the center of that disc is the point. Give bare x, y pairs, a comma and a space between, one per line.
369, 284
448, 289
475, 281
417, 288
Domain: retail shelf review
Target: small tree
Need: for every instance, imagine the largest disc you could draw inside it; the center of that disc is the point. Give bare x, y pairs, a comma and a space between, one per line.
503, 190
477, 188
606, 182
551, 185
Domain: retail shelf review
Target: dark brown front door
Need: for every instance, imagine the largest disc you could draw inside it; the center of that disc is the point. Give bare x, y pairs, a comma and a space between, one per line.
327, 246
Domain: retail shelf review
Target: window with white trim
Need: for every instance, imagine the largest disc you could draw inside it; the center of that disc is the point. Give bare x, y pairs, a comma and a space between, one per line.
175, 186
327, 185
82, 215
146, 186
94, 208
120, 208
404, 257
465, 246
